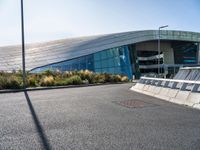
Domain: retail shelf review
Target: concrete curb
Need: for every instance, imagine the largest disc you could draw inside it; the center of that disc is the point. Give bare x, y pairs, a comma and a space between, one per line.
55, 87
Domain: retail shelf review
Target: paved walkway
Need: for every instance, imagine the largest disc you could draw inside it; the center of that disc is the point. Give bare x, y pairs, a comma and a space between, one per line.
101, 117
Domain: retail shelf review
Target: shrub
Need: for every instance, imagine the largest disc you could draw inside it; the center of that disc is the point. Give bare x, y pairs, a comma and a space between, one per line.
47, 81
59, 82
108, 77
3, 82
85, 81
112, 78
73, 80
50, 72
14, 82
9, 81
67, 74
32, 81
52, 78
100, 78
124, 79
91, 78
116, 78
86, 75
1, 73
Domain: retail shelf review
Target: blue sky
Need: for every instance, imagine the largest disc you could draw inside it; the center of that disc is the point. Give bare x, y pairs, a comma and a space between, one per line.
56, 19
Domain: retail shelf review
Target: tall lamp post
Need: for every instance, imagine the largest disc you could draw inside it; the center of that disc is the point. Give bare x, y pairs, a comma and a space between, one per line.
23, 45
159, 46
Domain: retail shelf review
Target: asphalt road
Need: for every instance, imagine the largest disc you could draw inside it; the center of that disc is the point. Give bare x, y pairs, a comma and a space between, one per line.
94, 118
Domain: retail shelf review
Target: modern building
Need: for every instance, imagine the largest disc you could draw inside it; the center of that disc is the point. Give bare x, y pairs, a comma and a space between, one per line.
129, 53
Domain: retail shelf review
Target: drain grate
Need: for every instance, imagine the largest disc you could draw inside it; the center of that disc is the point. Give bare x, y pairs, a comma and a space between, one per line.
134, 103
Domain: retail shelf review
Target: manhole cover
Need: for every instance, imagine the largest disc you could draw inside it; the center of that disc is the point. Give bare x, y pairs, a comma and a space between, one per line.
134, 103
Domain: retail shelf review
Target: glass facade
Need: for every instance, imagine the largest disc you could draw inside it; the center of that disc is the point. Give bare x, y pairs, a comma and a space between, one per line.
81, 63
113, 61
126, 60
185, 52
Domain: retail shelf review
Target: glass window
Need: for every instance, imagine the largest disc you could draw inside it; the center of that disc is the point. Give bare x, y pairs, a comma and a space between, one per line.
104, 63
97, 64
117, 61
103, 54
66, 63
124, 70
111, 62
89, 58
123, 61
90, 66
75, 66
98, 70
82, 66
116, 51
121, 51
109, 53
90, 62
108, 61
104, 70
117, 70
97, 56
70, 67
83, 59
111, 70
72, 61
185, 53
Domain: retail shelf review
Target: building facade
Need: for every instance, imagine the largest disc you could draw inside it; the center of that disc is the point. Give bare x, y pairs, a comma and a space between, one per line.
129, 53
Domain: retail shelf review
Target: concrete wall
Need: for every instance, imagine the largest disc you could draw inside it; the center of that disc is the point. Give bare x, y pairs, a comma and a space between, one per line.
179, 96
165, 47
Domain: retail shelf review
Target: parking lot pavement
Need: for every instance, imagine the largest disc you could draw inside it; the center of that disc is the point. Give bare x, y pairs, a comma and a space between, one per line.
98, 117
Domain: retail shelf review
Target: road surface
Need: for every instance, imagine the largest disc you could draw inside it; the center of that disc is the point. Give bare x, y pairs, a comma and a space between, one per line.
98, 117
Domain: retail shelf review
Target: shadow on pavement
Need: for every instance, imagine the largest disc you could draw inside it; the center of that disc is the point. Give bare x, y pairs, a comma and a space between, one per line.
40, 130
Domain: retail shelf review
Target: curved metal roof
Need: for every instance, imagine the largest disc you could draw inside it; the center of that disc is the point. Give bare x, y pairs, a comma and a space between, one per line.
40, 54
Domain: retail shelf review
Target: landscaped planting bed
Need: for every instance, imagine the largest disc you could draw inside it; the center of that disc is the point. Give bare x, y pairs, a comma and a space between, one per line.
57, 78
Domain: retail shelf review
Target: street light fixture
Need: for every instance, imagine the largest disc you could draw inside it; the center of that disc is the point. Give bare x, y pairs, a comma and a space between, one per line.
159, 46
23, 45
